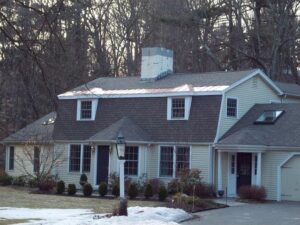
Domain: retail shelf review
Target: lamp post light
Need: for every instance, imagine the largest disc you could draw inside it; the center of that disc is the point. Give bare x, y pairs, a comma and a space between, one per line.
120, 146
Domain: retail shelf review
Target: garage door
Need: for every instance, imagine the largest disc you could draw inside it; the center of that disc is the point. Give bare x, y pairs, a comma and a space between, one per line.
290, 180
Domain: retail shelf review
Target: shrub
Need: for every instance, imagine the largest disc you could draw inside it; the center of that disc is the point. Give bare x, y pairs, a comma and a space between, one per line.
162, 193
133, 190
5, 179
114, 179
115, 190
202, 190
148, 193
19, 181
32, 183
87, 189
60, 187
155, 183
72, 189
46, 185
174, 186
127, 184
189, 203
121, 210
188, 178
83, 179
103, 189
257, 193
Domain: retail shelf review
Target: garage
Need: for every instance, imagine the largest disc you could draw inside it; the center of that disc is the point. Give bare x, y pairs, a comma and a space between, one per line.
290, 179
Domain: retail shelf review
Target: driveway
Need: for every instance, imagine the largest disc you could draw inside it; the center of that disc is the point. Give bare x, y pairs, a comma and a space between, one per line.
273, 213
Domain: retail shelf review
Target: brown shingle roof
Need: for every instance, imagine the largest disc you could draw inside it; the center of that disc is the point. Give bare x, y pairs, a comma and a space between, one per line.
40, 130
284, 132
149, 114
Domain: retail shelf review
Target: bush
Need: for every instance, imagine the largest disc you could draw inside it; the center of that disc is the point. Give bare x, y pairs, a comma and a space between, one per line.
127, 183
32, 183
133, 191
202, 190
148, 193
103, 189
162, 193
115, 190
83, 179
87, 189
174, 186
5, 179
72, 189
46, 185
257, 193
60, 187
155, 184
19, 181
121, 210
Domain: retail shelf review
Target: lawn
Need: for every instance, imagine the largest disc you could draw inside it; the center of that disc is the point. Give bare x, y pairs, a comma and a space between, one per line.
22, 198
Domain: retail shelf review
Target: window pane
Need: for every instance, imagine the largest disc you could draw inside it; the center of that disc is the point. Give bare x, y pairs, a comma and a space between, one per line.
131, 163
86, 158
182, 158
86, 109
231, 107
178, 105
75, 158
11, 158
36, 160
166, 161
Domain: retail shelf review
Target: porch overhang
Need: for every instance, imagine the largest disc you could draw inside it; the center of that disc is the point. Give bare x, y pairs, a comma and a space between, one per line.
240, 148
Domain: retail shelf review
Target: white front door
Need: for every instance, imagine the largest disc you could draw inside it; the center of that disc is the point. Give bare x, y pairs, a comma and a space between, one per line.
232, 164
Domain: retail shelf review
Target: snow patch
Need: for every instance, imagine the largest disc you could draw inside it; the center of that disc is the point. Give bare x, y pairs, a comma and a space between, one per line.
136, 216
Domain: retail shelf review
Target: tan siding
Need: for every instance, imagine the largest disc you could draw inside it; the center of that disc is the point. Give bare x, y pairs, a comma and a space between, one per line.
270, 162
200, 160
248, 95
23, 164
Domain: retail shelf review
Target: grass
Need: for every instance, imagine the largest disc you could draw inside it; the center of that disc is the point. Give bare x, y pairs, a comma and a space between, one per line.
22, 198
7, 222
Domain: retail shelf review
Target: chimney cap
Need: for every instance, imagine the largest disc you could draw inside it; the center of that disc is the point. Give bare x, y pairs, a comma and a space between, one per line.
150, 51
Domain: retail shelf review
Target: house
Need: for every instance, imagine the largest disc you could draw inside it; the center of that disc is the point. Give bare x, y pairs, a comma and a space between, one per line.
219, 122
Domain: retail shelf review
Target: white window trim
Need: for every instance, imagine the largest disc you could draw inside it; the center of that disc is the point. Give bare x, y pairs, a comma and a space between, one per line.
8, 157
174, 159
187, 107
94, 109
237, 107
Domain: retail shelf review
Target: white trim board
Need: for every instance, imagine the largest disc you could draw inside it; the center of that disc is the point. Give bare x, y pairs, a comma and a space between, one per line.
279, 173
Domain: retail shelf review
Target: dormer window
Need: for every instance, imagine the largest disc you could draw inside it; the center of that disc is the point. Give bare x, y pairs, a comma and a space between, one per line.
179, 108
86, 109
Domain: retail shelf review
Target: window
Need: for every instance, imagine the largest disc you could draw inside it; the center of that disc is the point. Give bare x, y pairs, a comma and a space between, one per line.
131, 163
86, 110
231, 107
36, 160
182, 158
178, 107
75, 152
86, 158
173, 159
269, 117
166, 161
232, 164
11, 158
255, 165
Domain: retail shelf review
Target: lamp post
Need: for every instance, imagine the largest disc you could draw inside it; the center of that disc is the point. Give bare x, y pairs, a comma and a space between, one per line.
120, 146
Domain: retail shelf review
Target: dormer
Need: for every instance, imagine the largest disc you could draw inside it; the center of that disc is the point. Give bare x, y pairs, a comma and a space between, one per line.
86, 109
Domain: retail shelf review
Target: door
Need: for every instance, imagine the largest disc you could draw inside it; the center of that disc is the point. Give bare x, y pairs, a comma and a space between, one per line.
290, 180
102, 163
231, 174
244, 161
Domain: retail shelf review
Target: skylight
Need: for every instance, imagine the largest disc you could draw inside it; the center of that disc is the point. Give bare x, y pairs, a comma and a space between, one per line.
269, 117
